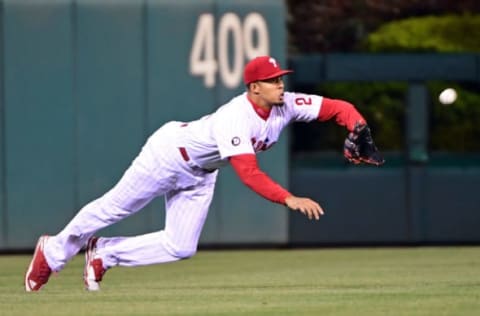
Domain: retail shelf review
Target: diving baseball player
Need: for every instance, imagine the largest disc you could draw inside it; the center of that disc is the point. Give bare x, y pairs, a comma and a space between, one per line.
181, 160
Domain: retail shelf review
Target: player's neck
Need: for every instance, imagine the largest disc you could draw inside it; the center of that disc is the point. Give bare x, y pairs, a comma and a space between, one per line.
259, 102
262, 111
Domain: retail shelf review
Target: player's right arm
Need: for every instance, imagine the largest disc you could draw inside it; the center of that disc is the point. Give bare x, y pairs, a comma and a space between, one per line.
246, 167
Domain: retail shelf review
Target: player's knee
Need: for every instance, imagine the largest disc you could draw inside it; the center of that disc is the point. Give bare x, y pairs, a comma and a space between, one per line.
183, 253
178, 249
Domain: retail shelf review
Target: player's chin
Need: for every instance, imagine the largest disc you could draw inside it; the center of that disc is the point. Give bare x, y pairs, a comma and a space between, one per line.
280, 100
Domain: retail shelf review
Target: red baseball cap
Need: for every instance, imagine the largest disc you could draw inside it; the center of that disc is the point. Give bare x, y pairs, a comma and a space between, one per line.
262, 68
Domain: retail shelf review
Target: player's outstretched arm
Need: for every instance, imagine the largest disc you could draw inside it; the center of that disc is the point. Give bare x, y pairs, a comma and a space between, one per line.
306, 206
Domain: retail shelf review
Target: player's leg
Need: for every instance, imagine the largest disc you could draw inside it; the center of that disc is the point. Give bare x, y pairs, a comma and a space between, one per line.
136, 188
186, 211
153, 172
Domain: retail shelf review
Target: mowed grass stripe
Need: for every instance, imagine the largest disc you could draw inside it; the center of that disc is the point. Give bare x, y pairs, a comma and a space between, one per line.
358, 281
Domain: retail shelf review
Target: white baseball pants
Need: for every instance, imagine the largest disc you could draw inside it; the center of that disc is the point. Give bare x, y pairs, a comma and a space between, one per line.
159, 169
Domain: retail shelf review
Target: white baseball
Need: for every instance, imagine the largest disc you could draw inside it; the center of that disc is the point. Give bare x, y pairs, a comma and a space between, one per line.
447, 96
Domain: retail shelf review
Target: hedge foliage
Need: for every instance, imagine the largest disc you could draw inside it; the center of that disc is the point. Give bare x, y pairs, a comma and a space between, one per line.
450, 33
453, 128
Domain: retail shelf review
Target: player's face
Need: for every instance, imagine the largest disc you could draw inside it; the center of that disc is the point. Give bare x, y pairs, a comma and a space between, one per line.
271, 91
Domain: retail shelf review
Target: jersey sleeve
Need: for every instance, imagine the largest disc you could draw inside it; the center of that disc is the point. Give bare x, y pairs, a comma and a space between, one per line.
250, 174
232, 135
302, 107
343, 112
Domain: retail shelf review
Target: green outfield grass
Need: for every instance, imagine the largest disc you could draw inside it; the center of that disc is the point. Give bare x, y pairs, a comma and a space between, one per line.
384, 281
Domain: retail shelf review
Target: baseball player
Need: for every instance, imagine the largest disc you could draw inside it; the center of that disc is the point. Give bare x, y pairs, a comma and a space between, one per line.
181, 160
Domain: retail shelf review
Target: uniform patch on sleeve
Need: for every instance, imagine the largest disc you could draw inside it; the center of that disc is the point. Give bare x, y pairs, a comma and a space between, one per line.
236, 141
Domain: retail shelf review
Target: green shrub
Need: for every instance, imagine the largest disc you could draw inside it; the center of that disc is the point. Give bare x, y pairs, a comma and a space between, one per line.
451, 33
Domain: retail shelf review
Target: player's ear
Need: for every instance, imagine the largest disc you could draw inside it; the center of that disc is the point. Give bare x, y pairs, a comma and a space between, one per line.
254, 87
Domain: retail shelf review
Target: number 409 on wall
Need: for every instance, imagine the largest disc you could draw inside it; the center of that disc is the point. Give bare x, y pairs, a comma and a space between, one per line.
250, 39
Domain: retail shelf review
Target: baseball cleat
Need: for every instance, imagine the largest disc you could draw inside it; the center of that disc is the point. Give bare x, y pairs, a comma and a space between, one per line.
94, 270
38, 271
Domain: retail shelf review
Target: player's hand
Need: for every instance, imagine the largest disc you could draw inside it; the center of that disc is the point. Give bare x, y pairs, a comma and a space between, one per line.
359, 147
306, 206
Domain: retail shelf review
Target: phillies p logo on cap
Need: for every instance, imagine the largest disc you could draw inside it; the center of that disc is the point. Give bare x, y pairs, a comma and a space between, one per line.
262, 68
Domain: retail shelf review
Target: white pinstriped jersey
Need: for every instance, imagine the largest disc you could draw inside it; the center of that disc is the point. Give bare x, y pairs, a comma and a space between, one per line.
235, 128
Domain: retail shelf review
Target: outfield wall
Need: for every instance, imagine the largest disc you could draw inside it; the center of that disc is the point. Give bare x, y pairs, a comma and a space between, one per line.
83, 83
365, 206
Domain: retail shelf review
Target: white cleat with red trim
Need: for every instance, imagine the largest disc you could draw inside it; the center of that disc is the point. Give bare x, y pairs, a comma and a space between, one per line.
38, 271
93, 271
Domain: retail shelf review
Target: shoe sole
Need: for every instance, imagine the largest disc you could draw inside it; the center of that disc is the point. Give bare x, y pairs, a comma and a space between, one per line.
39, 247
88, 255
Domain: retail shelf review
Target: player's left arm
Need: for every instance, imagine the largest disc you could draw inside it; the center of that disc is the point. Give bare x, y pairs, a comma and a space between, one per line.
359, 146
